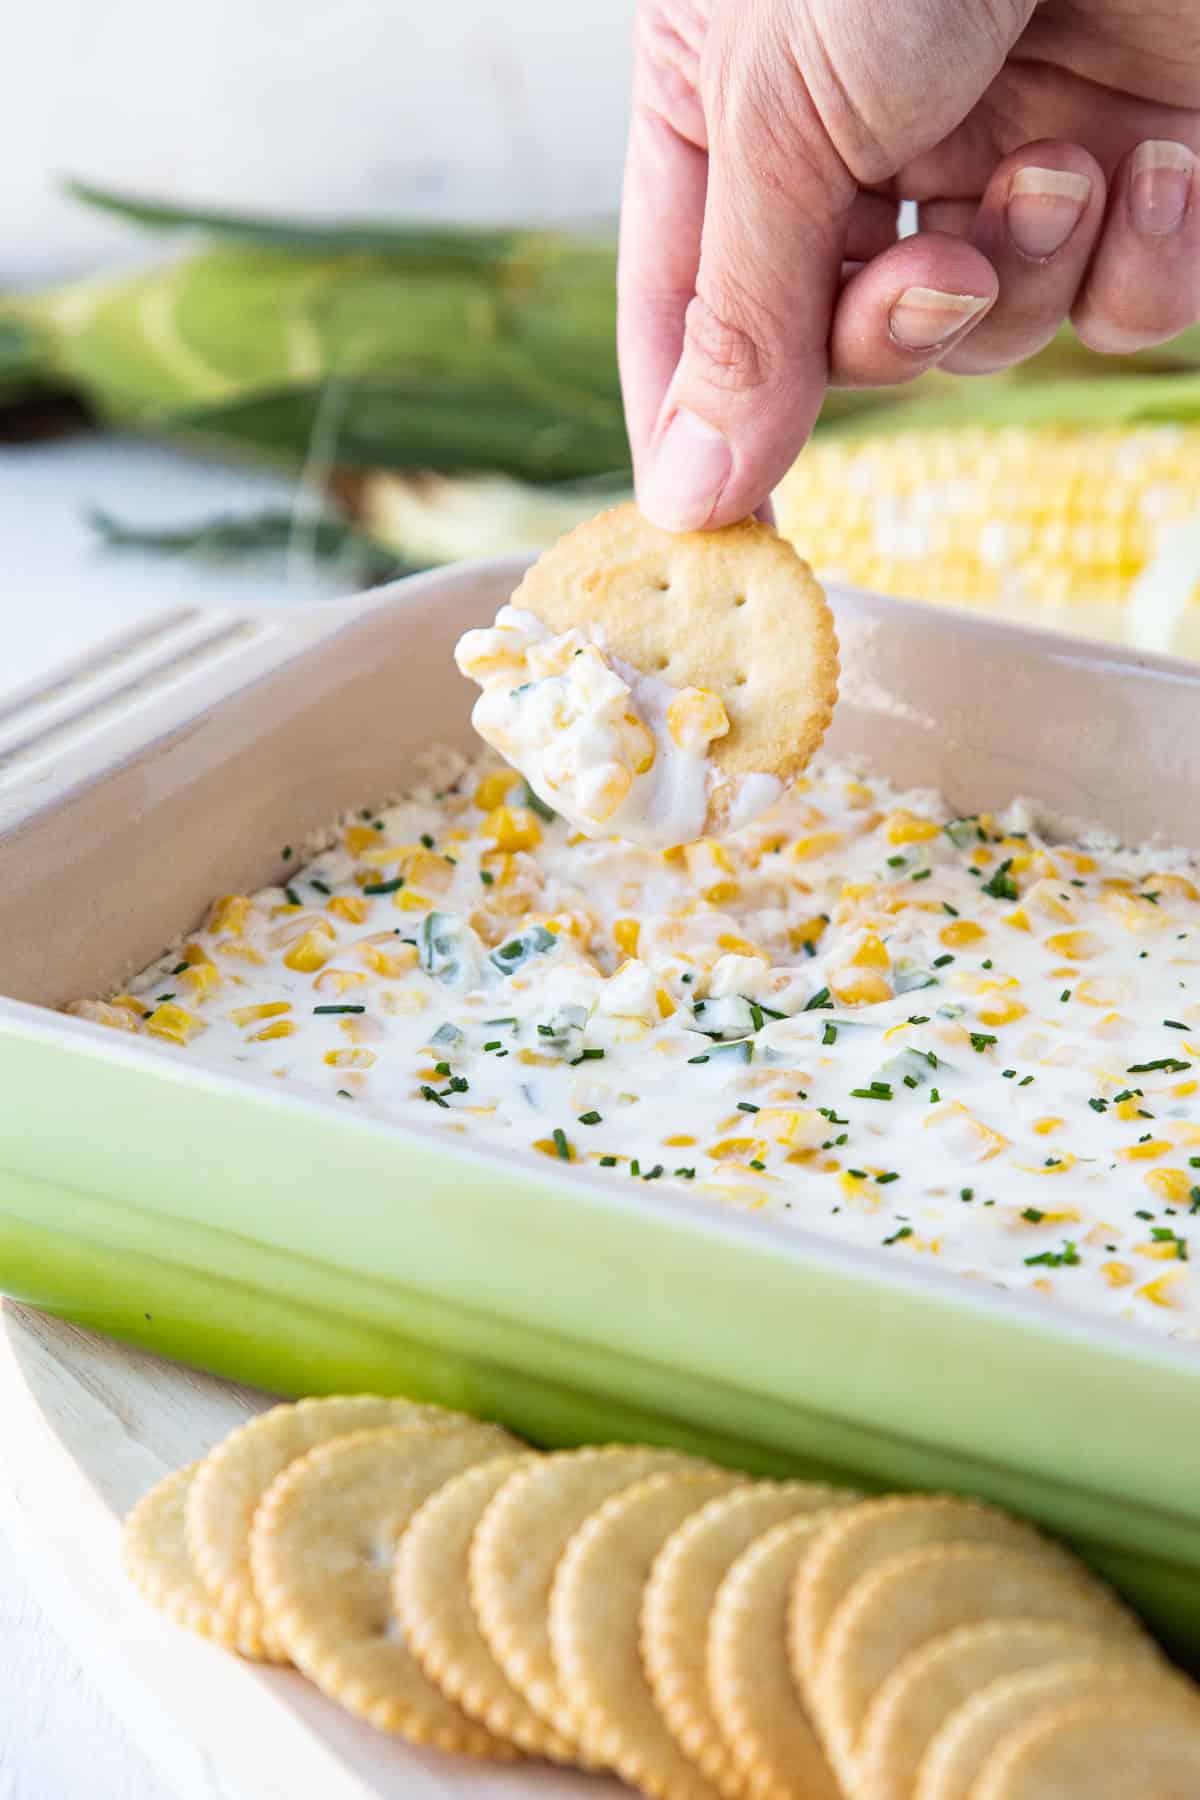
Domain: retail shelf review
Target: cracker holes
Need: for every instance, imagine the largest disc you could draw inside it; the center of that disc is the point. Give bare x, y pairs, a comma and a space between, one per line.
663, 587
739, 680
740, 600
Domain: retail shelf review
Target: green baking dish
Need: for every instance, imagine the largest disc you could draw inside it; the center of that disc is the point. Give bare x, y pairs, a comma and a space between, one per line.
276, 1239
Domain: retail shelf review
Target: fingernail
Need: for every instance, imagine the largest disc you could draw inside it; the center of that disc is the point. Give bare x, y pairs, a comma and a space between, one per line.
1044, 207
923, 317
1160, 181
686, 474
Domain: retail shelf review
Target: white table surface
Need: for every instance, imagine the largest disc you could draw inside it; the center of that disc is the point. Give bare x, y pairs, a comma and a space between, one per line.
61, 592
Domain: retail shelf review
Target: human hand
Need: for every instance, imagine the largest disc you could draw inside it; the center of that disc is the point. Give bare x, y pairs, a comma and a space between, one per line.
1051, 148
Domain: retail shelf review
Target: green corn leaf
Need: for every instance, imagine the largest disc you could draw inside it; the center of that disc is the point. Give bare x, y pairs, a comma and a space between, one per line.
270, 532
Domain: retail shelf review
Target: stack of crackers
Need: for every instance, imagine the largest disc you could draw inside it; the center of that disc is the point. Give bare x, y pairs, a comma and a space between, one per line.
698, 1632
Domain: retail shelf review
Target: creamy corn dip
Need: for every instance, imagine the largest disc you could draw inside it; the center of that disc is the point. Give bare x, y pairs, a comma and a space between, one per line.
619, 752
944, 1038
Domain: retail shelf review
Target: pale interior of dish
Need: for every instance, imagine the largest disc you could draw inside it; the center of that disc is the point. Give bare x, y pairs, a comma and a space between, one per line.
943, 1038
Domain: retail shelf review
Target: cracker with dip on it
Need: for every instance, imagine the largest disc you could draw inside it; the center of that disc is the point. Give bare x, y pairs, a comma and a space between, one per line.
658, 687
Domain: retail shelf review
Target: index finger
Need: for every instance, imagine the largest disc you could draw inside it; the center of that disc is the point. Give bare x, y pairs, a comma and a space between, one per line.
662, 213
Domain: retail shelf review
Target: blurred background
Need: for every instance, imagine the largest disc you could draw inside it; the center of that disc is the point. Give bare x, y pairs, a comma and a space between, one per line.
331, 299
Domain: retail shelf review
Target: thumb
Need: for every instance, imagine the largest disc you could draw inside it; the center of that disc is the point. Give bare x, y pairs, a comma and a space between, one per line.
752, 372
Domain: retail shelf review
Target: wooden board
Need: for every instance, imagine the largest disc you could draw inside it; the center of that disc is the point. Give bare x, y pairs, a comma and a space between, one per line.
88, 1426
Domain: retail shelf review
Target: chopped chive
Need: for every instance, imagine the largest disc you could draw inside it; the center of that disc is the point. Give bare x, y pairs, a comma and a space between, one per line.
586, 1056
428, 1093
939, 962
180, 967
921, 874
1175, 1025
344, 1094
820, 999
320, 886
747, 1106
1025, 1081
878, 1090
1171, 1064
888, 1175
697, 1059
1002, 886
293, 897
590, 1118
286, 853
896, 862
981, 1040
492, 1044
560, 1143
486, 876
1065, 995
339, 1009
952, 910
686, 1174
536, 804
905, 1231
384, 887
1033, 1215
918, 1018
608, 1162
755, 1164
829, 1035
427, 840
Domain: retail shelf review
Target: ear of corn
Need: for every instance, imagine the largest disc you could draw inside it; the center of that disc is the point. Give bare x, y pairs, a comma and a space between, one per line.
1094, 530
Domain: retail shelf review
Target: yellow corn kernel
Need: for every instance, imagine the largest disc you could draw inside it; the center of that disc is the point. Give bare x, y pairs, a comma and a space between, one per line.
351, 1059
294, 928
252, 1015
195, 954
818, 843
806, 931
1018, 918
678, 1142
385, 955
1048, 898
309, 953
1134, 913
1177, 885
428, 870
381, 856
1183, 1090
1059, 1164
664, 1003
242, 952
279, 1028
859, 987
1104, 990
409, 899
739, 946
354, 907
1128, 1109
1166, 1251
1167, 1290
1002, 1012
229, 914
173, 1023
695, 717
964, 1133
338, 981
1075, 945
358, 838
858, 794
626, 933
1169, 1184
738, 1149
798, 1128
871, 954
906, 828
549, 1147
1117, 1274
105, 1012
1045, 1126
1147, 1152
493, 789
200, 979
961, 932
513, 828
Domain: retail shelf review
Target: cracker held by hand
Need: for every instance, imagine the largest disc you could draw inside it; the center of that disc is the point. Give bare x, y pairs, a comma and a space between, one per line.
654, 686
322, 1552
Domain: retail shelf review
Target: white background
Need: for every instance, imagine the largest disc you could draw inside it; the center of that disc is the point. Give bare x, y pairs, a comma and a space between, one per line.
386, 108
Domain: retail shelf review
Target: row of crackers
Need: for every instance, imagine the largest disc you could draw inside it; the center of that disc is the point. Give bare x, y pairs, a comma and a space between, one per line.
698, 1632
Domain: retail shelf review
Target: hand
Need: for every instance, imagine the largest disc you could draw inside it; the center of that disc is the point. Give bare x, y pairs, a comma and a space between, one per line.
1051, 149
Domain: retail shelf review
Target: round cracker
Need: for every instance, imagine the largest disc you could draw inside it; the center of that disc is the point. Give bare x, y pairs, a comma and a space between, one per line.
234, 1477
928, 1686
432, 1600
972, 1734
860, 1539
1145, 1746
595, 1627
912, 1598
680, 1593
736, 611
322, 1550
157, 1561
517, 1547
754, 1697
